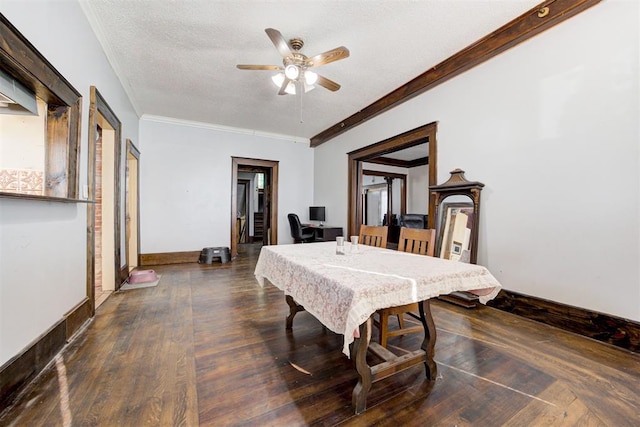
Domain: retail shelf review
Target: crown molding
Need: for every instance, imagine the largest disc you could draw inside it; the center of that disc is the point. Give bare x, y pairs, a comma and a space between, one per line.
221, 128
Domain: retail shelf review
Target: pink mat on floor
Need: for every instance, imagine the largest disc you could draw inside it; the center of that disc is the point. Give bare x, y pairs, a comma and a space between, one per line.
142, 276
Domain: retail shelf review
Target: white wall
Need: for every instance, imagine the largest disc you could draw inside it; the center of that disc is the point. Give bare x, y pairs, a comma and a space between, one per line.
189, 164
418, 190
43, 244
551, 128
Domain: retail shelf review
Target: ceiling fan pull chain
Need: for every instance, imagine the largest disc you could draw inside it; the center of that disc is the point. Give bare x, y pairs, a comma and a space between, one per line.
300, 91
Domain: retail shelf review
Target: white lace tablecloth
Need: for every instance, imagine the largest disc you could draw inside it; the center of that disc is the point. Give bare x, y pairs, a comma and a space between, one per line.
343, 291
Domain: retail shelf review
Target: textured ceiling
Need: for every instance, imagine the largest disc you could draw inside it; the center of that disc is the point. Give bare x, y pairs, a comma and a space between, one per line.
178, 59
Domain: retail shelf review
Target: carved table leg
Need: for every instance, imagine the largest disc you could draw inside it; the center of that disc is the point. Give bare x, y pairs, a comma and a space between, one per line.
294, 307
429, 343
359, 356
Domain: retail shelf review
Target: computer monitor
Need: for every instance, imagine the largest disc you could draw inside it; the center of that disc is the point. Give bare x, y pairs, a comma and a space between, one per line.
317, 213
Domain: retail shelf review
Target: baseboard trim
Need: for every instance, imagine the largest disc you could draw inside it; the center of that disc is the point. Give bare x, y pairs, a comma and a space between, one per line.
19, 371
617, 331
165, 258
77, 317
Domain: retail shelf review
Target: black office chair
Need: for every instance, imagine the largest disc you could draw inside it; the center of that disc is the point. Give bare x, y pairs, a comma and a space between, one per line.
413, 221
299, 233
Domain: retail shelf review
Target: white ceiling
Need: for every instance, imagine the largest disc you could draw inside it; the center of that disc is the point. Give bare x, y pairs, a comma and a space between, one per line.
178, 59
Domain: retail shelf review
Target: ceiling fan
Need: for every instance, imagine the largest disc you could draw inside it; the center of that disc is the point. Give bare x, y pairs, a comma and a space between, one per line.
295, 70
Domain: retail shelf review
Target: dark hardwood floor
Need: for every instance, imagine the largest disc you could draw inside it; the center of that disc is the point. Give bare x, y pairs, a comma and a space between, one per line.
208, 346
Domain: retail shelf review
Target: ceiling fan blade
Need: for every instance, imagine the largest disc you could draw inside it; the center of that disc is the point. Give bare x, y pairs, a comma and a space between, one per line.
279, 42
327, 84
327, 57
258, 67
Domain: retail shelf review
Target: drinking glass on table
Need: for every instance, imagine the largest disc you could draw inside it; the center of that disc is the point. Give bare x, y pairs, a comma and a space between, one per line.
340, 245
354, 244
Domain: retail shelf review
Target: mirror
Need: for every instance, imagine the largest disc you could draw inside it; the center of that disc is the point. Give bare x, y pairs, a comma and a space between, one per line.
454, 228
457, 210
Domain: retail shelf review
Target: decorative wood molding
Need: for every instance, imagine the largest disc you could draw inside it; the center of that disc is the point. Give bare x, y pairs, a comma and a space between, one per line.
165, 258
22, 61
410, 138
99, 107
408, 164
383, 173
513, 33
20, 370
623, 333
132, 151
269, 167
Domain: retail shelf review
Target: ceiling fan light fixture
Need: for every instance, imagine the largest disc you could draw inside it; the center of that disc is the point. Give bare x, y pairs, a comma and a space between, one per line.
310, 78
278, 79
292, 72
291, 88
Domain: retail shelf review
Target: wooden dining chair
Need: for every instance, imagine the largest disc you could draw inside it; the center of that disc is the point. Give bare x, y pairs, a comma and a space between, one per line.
373, 236
417, 241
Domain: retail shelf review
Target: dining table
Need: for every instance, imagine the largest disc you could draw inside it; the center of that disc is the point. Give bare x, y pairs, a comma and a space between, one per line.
344, 290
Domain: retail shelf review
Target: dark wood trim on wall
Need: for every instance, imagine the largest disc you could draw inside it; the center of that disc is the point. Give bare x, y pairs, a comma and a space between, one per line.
272, 166
77, 317
411, 138
135, 153
407, 164
538, 19
98, 106
610, 329
20, 59
165, 258
20, 370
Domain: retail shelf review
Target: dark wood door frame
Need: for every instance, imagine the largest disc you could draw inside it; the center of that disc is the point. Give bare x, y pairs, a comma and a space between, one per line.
417, 136
134, 152
98, 106
271, 167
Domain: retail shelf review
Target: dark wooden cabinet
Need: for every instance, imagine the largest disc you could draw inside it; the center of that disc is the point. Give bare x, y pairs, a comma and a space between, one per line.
327, 233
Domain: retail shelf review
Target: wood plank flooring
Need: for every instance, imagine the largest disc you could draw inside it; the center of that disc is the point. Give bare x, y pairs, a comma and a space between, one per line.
208, 346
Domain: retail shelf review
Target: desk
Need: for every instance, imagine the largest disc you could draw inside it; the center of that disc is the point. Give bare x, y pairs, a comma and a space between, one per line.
343, 292
325, 233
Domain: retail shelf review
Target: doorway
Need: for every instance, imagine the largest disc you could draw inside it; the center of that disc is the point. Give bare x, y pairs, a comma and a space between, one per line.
103, 216
244, 209
132, 206
422, 135
260, 200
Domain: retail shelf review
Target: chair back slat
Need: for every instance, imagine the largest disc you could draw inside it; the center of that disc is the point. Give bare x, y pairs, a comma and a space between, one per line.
373, 236
417, 241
